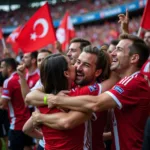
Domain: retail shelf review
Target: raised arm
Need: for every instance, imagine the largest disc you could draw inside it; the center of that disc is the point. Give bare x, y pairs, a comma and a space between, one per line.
124, 21
109, 83
24, 86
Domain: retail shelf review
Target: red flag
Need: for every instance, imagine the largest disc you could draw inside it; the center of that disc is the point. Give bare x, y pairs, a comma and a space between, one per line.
1, 34
38, 31
65, 31
12, 39
145, 23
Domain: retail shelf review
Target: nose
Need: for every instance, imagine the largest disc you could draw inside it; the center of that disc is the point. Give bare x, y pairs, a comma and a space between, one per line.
79, 67
69, 53
114, 53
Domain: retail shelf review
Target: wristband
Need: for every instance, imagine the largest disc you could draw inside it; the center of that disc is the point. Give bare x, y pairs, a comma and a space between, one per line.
45, 100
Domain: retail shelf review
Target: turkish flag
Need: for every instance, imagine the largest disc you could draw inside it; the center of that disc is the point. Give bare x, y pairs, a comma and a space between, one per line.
12, 39
1, 34
65, 31
38, 31
145, 23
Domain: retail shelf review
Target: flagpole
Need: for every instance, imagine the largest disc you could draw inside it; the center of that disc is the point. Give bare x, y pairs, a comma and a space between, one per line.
3, 43
139, 32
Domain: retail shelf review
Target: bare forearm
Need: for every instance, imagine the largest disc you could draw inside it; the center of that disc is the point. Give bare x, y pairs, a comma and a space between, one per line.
63, 120
30, 130
24, 87
35, 98
78, 103
85, 103
109, 83
54, 121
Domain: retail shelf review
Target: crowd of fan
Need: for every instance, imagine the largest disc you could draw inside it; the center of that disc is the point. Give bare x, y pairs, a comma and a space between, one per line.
100, 34
16, 17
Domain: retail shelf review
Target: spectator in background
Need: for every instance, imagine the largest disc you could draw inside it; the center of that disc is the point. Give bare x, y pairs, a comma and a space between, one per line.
75, 48
4, 121
12, 98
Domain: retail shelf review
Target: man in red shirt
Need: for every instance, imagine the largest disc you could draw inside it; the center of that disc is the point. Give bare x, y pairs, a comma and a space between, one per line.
129, 98
30, 62
88, 70
12, 97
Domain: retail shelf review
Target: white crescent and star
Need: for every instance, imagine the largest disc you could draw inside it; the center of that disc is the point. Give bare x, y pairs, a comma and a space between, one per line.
45, 26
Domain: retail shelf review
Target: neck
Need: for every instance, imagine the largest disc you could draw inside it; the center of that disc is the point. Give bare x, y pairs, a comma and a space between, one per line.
90, 83
32, 69
128, 72
11, 73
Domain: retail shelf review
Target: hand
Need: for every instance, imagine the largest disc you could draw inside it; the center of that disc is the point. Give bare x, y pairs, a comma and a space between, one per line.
51, 100
124, 20
21, 70
35, 118
63, 93
6, 52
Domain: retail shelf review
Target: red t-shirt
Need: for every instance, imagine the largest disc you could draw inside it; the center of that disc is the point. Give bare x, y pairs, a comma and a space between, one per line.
132, 95
98, 120
32, 78
79, 137
18, 113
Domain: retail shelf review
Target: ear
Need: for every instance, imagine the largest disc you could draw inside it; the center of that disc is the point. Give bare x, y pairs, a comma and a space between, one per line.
134, 58
66, 74
98, 72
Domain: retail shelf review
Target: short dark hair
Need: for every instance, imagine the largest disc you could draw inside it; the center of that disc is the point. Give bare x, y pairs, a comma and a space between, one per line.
103, 61
10, 62
83, 42
137, 47
34, 55
45, 51
114, 42
52, 73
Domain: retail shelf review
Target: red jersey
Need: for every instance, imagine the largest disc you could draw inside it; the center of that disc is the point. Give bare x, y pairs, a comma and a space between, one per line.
98, 120
78, 138
132, 95
18, 113
32, 78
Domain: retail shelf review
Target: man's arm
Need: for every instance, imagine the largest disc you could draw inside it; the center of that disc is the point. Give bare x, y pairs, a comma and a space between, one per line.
61, 120
109, 83
23, 83
83, 103
30, 130
3, 103
35, 98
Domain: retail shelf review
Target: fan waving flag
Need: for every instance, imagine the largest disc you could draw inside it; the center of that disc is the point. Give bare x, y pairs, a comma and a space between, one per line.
145, 23
12, 39
38, 31
65, 31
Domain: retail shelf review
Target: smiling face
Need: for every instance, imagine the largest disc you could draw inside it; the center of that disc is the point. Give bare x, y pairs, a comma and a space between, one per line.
74, 52
120, 56
86, 72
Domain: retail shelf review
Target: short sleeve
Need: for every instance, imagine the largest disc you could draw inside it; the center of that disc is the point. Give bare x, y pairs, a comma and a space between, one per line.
125, 93
7, 89
94, 89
